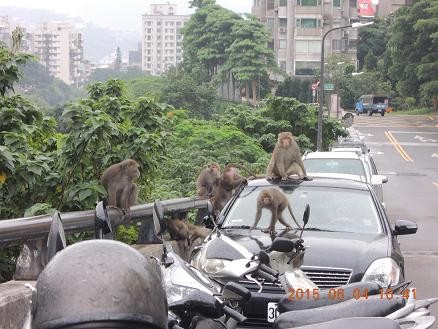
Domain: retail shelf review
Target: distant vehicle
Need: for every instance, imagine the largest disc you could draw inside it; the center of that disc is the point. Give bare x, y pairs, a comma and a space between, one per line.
372, 104
342, 161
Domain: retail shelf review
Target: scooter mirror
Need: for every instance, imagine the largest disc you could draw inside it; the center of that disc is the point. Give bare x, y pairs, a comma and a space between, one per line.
158, 217
306, 215
56, 238
282, 245
102, 223
236, 292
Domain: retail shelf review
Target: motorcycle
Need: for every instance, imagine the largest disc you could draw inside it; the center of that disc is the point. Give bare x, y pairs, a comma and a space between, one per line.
194, 300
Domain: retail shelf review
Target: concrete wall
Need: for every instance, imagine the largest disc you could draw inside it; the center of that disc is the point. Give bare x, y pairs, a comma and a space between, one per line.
14, 303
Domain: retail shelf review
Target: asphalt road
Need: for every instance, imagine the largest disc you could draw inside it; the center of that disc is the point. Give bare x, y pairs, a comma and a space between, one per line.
405, 148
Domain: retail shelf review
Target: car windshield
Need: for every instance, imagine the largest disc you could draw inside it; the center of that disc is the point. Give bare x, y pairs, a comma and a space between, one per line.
331, 209
337, 166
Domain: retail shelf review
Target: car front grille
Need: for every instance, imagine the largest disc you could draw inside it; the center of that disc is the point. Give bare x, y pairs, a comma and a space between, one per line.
327, 277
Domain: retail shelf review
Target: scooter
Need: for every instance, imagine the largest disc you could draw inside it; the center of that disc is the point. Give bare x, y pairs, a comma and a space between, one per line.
194, 300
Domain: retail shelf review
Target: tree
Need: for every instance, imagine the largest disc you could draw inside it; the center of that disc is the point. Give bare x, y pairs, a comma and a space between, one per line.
118, 60
207, 35
413, 51
373, 38
370, 61
249, 56
296, 88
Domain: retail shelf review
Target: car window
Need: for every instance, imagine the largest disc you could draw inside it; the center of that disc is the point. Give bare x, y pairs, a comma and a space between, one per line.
338, 166
331, 209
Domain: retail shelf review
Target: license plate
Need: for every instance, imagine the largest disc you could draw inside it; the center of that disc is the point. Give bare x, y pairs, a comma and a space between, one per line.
272, 311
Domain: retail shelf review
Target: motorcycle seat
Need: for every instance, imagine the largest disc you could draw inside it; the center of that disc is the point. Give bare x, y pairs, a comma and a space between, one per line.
356, 323
326, 297
373, 306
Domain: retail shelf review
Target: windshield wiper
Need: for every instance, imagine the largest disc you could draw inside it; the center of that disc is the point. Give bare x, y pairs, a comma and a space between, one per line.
317, 229
243, 227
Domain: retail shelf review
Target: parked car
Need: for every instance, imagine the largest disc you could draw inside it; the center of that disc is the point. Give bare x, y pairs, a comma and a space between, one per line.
349, 161
372, 104
348, 237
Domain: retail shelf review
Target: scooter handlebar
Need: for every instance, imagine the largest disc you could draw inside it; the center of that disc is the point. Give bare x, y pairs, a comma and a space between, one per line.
269, 270
234, 314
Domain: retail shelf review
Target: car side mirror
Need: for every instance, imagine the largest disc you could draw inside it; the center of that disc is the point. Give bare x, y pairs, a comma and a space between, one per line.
378, 179
403, 227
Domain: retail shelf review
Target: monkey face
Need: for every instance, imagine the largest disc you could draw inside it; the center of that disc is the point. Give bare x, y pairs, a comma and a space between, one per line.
266, 200
285, 139
285, 142
133, 171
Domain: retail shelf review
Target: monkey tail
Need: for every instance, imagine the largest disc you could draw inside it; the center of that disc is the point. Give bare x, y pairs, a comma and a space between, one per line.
293, 217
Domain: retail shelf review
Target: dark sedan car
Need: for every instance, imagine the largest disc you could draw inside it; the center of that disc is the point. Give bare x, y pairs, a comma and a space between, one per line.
348, 236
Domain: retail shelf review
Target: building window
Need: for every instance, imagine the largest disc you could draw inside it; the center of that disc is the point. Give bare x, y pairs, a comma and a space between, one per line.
270, 22
353, 3
308, 2
306, 68
336, 3
308, 23
282, 44
307, 46
283, 3
149, 30
282, 22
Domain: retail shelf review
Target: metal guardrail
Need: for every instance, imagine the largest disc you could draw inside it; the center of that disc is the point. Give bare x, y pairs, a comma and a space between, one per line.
20, 230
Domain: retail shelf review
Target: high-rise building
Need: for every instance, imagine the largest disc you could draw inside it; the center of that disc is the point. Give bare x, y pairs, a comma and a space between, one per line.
297, 28
162, 38
5, 31
60, 50
387, 7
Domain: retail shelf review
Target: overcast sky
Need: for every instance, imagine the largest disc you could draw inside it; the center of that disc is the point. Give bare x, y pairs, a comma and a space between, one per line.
116, 14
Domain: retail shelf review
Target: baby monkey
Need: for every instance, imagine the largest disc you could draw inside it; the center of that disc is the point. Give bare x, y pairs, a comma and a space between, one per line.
274, 200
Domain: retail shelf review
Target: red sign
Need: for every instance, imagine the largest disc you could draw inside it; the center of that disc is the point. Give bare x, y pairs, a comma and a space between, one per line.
365, 8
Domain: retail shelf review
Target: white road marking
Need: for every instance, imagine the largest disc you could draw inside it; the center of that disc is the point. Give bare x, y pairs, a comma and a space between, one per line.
435, 155
413, 132
424, 140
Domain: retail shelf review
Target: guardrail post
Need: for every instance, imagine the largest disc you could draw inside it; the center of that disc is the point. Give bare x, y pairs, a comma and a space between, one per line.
30, 262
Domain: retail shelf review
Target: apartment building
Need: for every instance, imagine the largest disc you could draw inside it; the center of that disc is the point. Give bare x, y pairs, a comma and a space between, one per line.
161, 38
6, 29
297, 28
388, 7
60, 49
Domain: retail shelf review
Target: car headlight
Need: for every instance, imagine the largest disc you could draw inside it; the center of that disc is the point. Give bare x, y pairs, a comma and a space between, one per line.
383, 271
212, 266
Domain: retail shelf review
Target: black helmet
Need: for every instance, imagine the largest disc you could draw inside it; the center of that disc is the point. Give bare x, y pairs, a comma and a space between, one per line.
99, 284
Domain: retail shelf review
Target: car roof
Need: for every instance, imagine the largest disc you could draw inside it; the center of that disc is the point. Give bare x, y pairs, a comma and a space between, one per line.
331, 155
337, 182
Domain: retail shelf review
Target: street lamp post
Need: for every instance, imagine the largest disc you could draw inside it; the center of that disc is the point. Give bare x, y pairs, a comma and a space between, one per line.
321, 83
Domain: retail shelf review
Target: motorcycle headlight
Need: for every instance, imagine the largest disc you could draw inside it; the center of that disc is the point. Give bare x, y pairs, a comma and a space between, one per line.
179, 284
383, 271
212, 266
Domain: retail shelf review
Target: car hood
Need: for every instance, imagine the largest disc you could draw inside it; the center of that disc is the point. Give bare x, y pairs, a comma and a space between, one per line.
324, 249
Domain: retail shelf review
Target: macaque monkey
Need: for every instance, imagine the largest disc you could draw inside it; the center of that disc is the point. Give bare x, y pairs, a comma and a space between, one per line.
118, 182
224, 188
286, 158
274, 200
207, 178
181, 229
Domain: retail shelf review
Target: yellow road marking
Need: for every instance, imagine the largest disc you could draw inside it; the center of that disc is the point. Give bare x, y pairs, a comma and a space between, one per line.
398, 147
430, 118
